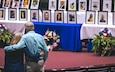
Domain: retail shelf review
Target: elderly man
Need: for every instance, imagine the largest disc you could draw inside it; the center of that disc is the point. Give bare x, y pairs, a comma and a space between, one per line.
35, 43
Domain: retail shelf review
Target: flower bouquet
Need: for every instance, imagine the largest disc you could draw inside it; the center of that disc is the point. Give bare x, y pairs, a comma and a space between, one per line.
103, 42
5, 35
52, 39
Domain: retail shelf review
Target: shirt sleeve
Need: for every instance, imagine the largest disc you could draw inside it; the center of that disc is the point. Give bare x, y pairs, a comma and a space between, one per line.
21, 44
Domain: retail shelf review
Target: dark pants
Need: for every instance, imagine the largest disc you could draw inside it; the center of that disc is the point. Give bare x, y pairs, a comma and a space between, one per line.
34, 67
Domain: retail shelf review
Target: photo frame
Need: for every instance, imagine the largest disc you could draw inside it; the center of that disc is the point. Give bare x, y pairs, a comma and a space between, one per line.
103, 17
46, 14
15, 3
34, 4
25, 3
82, 5
6, 3
2, 13
72, 5
59, 16
90, 17
12, 14
94, 5
34, 15
23, 14
107, 5
72, 17
52, 4
1, 3
113, 17
62, 5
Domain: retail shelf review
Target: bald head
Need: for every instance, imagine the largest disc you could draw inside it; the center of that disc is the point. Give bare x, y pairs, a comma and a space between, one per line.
29, 26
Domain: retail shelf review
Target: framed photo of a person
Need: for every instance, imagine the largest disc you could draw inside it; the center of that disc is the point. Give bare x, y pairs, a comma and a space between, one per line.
107, 5
52, 4
94, 5
12, 14
72, 5
34, 4
15, 3
6, 3
2, 13
90, 17
113, 18
62, 5
46, 14
82, 5
103, 17
72, 17
23, 14
1, 3
34, 15
59, 16
25, 3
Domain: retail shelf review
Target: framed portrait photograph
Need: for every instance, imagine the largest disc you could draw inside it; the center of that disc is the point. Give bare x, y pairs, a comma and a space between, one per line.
94, 5
113, 18
1, 3
34, 15
82, 5
72, 5
59, 16
34, 4
90, 17
15, 3
107, 5
6, 3
52, 4
72, 17
25, 3
23, 14
46, 14
103, 17
62, 5
2, 13
12, 14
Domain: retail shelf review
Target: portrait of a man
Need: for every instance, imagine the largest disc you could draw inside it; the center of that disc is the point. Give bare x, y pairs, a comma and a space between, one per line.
1, 13
12, 14
102, 19
62, 4
34, 4
34, 17
46, 16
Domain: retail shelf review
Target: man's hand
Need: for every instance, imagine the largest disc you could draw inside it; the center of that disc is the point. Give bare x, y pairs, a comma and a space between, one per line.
41, 53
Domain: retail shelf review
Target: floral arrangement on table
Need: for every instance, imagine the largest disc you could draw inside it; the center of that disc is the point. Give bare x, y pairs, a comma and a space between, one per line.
103, 42
5, 35
52, 40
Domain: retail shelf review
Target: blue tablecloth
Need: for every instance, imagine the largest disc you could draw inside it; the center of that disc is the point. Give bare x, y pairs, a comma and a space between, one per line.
69, 34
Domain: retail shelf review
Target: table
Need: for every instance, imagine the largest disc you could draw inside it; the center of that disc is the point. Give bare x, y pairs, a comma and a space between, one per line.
69, 34
88, 31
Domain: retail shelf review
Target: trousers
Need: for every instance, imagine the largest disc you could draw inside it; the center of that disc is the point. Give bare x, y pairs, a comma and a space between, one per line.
35, 66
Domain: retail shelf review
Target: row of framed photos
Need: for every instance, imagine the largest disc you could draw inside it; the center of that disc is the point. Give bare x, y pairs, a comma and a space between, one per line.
90, 17
19, 4
82, 5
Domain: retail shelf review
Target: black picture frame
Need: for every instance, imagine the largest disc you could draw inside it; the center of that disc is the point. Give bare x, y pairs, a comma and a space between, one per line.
12, 14
2, 13
102, 17
23, 14
71, 17
59, 16
90, 17
34, 15
46, 15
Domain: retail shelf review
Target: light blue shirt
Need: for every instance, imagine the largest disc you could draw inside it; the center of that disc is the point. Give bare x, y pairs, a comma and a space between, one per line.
33, 41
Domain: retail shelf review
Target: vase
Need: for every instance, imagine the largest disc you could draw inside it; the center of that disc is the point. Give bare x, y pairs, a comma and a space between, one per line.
2, 44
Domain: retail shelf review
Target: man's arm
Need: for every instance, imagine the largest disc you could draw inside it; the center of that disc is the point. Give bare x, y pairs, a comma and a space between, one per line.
45, 49
21, 44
